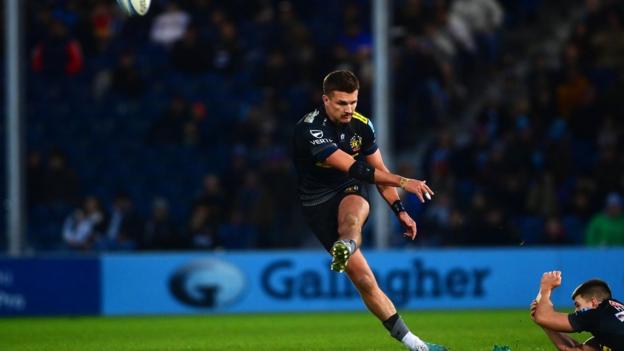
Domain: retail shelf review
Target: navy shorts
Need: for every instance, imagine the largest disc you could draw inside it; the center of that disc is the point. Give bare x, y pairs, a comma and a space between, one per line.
323, 218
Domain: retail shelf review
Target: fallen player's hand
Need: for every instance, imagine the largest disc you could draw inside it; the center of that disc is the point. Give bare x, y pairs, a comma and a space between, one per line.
551, 280
533, 308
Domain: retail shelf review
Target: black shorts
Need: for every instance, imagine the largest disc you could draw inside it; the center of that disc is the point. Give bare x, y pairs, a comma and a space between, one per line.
323, 218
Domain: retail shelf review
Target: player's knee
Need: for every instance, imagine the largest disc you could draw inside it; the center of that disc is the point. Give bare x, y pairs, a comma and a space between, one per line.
348, 224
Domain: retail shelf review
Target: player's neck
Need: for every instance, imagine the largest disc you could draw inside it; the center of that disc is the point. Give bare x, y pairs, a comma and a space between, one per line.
335, 121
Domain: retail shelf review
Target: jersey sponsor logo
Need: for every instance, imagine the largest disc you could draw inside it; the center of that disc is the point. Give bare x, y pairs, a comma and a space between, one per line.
316, 133
309, 118
207, 283
321, 141
342, 137
356, 143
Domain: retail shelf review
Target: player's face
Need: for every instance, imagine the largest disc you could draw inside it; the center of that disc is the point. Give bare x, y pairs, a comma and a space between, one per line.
583, 304
340, 106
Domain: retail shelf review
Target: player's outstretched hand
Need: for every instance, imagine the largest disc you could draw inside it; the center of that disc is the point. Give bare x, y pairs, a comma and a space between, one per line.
551, 280
419, 188
533, 308
408, 224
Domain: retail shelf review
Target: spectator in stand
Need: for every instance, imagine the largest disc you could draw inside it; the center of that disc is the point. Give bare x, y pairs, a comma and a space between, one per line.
35, 179
607, 228
103, 26
170, 26
126, 79
160, 231
237, 233
125, 227
191, 54
437, 221
410, 17
233, 176
212, 195
577, 217
542, 197
202, 128
169, 129
275, 176
483, 17
58, 54
60, 181
203, 228
84, 226
554, 232
227, 49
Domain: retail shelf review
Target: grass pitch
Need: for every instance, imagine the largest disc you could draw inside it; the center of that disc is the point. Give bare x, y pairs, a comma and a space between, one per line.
458, 330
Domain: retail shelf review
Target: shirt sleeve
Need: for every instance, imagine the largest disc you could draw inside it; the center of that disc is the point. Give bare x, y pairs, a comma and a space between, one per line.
370, 142
583, 320
319, 143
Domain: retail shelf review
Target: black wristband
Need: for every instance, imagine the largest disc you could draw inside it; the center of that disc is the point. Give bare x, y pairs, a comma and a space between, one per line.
397, 207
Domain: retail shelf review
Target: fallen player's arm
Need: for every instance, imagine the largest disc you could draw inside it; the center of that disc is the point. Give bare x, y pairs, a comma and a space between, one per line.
564, 342
546, 316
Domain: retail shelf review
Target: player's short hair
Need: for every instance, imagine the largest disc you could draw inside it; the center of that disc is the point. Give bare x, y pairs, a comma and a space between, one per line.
593, 288
341, 80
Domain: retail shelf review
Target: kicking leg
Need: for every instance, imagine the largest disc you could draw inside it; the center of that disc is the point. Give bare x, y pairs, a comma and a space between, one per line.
362, 277
352, 213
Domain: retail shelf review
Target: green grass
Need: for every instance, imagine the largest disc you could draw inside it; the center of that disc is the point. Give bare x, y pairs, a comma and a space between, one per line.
459, 330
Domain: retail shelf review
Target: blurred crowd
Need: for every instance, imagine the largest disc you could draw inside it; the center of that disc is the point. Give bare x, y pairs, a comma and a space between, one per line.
542, 163
172, 130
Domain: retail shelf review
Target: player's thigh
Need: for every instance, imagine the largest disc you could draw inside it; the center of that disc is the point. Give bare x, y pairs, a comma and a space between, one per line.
323, 221
353, 209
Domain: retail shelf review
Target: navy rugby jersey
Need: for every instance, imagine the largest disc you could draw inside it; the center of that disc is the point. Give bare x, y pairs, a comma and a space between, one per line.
316, 137
605, 323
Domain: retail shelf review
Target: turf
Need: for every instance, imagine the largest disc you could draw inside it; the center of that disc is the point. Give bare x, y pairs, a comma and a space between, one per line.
459, 330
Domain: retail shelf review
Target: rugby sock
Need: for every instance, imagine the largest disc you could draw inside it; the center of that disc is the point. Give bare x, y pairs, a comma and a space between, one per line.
398, 330
351, 245
412, 341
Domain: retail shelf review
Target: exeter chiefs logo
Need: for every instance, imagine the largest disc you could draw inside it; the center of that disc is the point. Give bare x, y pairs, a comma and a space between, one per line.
356, 143
352, 189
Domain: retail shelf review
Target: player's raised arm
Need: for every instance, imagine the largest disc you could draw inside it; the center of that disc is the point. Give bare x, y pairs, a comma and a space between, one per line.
364, 171
545, 314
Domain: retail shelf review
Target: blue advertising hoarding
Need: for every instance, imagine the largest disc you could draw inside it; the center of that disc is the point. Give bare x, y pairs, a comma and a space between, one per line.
49, 286
301, 281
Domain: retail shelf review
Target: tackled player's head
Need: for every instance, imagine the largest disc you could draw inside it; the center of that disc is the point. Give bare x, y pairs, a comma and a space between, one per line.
340, 94
590, 294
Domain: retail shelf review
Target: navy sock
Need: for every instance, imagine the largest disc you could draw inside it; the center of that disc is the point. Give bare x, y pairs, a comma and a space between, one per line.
396, 327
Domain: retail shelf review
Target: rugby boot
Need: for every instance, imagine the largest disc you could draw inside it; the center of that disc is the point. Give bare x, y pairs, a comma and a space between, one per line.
340, 256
